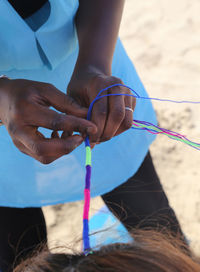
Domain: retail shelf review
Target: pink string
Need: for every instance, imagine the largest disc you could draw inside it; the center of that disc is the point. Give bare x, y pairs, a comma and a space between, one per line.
86, 204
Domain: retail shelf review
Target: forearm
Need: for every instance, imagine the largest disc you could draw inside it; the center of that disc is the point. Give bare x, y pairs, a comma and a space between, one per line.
98, 23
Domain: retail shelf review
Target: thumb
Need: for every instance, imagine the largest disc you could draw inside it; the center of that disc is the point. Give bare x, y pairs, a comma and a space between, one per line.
63, 102
75, 108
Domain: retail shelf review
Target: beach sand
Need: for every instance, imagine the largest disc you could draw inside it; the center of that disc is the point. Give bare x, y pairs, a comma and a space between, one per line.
162, 39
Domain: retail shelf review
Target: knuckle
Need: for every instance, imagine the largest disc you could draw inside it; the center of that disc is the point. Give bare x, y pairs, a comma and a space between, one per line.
56, 123
102, 109
37, 149
18, 111
68, 148
77, 126
103, 113
94, 138
12, 128
68, 100
117, 89
45, 160
106, 138
116, 80
118, 114
23, 97
49, 86
127, 123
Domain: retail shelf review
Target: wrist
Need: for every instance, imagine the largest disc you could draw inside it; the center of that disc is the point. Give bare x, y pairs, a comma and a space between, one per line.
95, 63
91, 69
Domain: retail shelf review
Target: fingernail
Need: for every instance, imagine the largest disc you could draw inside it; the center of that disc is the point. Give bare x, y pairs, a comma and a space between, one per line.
90, 130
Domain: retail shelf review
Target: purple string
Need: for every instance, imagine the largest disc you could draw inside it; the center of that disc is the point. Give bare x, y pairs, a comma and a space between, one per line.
88, 177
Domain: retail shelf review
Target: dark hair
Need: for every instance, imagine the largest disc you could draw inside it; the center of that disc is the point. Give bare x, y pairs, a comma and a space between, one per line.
150, 251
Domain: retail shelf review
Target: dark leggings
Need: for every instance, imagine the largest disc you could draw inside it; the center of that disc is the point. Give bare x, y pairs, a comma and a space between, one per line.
21, 231
139, 202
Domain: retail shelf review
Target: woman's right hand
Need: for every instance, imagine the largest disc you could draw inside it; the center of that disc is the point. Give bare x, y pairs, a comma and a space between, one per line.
24, 107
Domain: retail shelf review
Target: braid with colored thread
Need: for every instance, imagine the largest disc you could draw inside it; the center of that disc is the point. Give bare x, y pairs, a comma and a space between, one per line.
88, 165
141, 125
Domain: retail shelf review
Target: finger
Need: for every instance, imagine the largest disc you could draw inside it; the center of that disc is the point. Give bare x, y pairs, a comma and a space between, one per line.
116, 114
74, 108
55, 135
47, 118
62, 102
99, 116
42, 159
21, 146
26, 151
66, 134
43, 148
133, 100
40, 134
128, 118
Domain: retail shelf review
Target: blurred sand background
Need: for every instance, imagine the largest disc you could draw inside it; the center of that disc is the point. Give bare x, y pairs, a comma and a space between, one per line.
163, 40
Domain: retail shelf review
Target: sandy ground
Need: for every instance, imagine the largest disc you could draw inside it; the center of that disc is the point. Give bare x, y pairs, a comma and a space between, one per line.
163, 40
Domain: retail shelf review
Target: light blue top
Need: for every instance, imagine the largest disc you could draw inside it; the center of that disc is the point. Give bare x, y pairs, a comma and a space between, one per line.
45, 48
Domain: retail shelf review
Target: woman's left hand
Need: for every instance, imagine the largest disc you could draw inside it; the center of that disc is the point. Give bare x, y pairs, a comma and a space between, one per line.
110, 114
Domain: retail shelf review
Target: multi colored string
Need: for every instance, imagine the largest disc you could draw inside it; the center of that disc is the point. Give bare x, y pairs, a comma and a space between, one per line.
88, 165
140, 125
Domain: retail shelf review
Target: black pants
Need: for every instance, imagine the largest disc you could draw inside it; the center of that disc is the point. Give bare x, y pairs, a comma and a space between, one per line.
139, 202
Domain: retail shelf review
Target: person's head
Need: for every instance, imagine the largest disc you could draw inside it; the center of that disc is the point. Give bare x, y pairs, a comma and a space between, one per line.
150, 252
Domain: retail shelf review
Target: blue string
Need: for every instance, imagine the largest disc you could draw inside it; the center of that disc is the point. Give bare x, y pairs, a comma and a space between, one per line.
169, 100
99, 96
86, 237
118, 85
87, 143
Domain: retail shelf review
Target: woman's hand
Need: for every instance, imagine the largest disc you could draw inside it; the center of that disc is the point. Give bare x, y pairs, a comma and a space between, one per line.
24, 106
97, 24
109, 113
